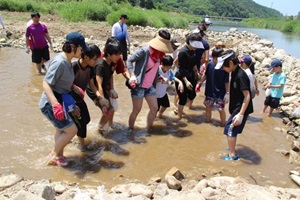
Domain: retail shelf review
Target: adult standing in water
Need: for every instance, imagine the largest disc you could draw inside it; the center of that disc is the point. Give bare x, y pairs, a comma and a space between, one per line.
143, 77
57, 82
36, 37
119, 30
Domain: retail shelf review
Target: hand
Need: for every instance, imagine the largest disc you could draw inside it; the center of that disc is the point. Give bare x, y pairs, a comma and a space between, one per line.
226, 98
132, 81
78, 90
113, 94
189, 86
76, 112
180, 87
101, 101
58, 111
257, 92
51, 46
197, 76
27, 50
237, 119
198, 87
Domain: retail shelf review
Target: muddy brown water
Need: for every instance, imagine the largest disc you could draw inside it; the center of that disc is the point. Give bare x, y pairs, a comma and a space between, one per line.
191, 145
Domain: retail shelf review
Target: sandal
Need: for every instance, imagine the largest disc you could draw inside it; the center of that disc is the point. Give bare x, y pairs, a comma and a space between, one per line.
228, 157
59, 161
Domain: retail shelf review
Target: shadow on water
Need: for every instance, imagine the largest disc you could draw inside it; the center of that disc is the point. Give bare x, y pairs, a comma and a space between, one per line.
248, 155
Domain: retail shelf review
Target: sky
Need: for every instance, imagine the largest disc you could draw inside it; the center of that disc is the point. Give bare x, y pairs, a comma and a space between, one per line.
286, 7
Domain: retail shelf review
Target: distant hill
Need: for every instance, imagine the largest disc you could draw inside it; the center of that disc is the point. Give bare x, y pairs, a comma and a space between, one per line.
225, 8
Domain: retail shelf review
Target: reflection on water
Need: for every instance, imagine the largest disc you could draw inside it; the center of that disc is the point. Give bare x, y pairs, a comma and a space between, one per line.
191, 145
290, 43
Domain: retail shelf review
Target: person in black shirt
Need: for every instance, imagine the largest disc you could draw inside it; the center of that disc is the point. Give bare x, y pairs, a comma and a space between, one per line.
240, 103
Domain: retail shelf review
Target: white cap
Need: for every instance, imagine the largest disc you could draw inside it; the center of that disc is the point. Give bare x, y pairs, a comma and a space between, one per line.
197, 44
222, 59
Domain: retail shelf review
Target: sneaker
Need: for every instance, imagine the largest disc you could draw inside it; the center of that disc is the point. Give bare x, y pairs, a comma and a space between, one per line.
59, 161
228, 157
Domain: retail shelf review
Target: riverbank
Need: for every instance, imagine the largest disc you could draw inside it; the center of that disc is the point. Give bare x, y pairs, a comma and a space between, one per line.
263, 51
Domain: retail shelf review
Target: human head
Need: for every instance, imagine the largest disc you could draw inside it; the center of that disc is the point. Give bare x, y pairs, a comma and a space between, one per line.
123, 18
194, 41
162, 42
175, 43
167, 61
217, 52
220, 45
275, 63
77, 39
91, 57
246, 59
112, 49
35, 14
227, 60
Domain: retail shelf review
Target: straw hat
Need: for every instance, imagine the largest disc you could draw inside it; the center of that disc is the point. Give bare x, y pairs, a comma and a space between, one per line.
220, 44
161, 44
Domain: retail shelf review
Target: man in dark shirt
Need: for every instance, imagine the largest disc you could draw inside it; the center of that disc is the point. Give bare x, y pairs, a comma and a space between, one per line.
240, 104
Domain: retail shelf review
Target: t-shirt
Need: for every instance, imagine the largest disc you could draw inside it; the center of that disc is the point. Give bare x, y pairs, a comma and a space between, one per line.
105, 71
239, 82
278, 79
37, 34
215, 81
161, 86
186, 63
251, 79
120, 67
199, 53
60, 76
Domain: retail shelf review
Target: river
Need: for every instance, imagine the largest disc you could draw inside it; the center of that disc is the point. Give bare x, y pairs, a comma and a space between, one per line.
191, 145
290, 43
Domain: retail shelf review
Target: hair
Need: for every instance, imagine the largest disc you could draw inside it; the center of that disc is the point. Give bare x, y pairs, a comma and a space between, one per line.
95, 51
67, 47
165, 34
35, 14
167, 60
233, 58
112, 46
252, 68
217, 52
193, 37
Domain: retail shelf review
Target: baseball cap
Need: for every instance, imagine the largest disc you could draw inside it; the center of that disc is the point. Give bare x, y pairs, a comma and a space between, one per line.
275, 63
221, 60
206, 21
175, 42
68, 103
123, 16
246, 59
196, 44
78, 39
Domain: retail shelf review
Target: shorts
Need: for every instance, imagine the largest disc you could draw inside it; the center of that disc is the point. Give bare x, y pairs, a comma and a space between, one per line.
236, 129
39, 54
123, 44
209, 103
139, 93
164, 101
59, 124
272, 102
84, 119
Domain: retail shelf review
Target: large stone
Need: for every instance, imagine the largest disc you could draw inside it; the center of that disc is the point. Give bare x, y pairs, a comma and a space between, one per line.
9, 180
172, 182
176, 173
24, 195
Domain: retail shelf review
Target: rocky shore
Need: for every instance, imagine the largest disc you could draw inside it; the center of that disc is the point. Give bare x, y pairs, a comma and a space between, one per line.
172, 186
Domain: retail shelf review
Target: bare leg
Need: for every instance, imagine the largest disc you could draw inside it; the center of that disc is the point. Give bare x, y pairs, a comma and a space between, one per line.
222, 117
208, 114
152, 104
231, 144
270, 112
180, 111
81, 141
39, 67
161, 111
136, 108
264, 108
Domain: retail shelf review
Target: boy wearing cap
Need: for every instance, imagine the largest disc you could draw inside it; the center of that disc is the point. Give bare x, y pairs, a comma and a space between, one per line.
216, 88
143, 76
119, 30
240, 104
36, 37
276, 86
58, 81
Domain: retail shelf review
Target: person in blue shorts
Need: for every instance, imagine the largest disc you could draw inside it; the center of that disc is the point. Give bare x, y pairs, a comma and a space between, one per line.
57, 83
276, 87
240, 104
216, 88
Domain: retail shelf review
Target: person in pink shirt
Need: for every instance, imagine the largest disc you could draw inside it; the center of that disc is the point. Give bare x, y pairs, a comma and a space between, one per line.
143, 77
36, 37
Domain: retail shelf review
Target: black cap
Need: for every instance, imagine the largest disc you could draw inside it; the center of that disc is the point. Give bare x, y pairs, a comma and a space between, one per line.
124, 16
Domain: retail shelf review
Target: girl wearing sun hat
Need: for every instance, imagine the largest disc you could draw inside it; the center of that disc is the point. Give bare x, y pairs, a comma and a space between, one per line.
143, 76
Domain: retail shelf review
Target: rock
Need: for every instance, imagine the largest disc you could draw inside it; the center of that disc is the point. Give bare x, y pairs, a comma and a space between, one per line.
265, 43
208, 192
294, 157
296, 145
172, 182
59, 188
295, 178
160, 191
295, 173
200, 186
285, 120
24, 195
176, 173
133, 189
9, 180
43, 190
233, 29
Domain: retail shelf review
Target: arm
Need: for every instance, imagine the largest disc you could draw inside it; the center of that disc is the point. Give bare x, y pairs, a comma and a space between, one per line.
99, 80
114, 30
47, 36
93, 87
246, 101
49, 92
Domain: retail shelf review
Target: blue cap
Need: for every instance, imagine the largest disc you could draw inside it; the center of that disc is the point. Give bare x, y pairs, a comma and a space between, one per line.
69, 104
275, 63
246, 59
78, 39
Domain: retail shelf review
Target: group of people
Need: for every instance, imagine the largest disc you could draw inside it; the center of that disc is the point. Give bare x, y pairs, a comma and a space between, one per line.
148, 73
